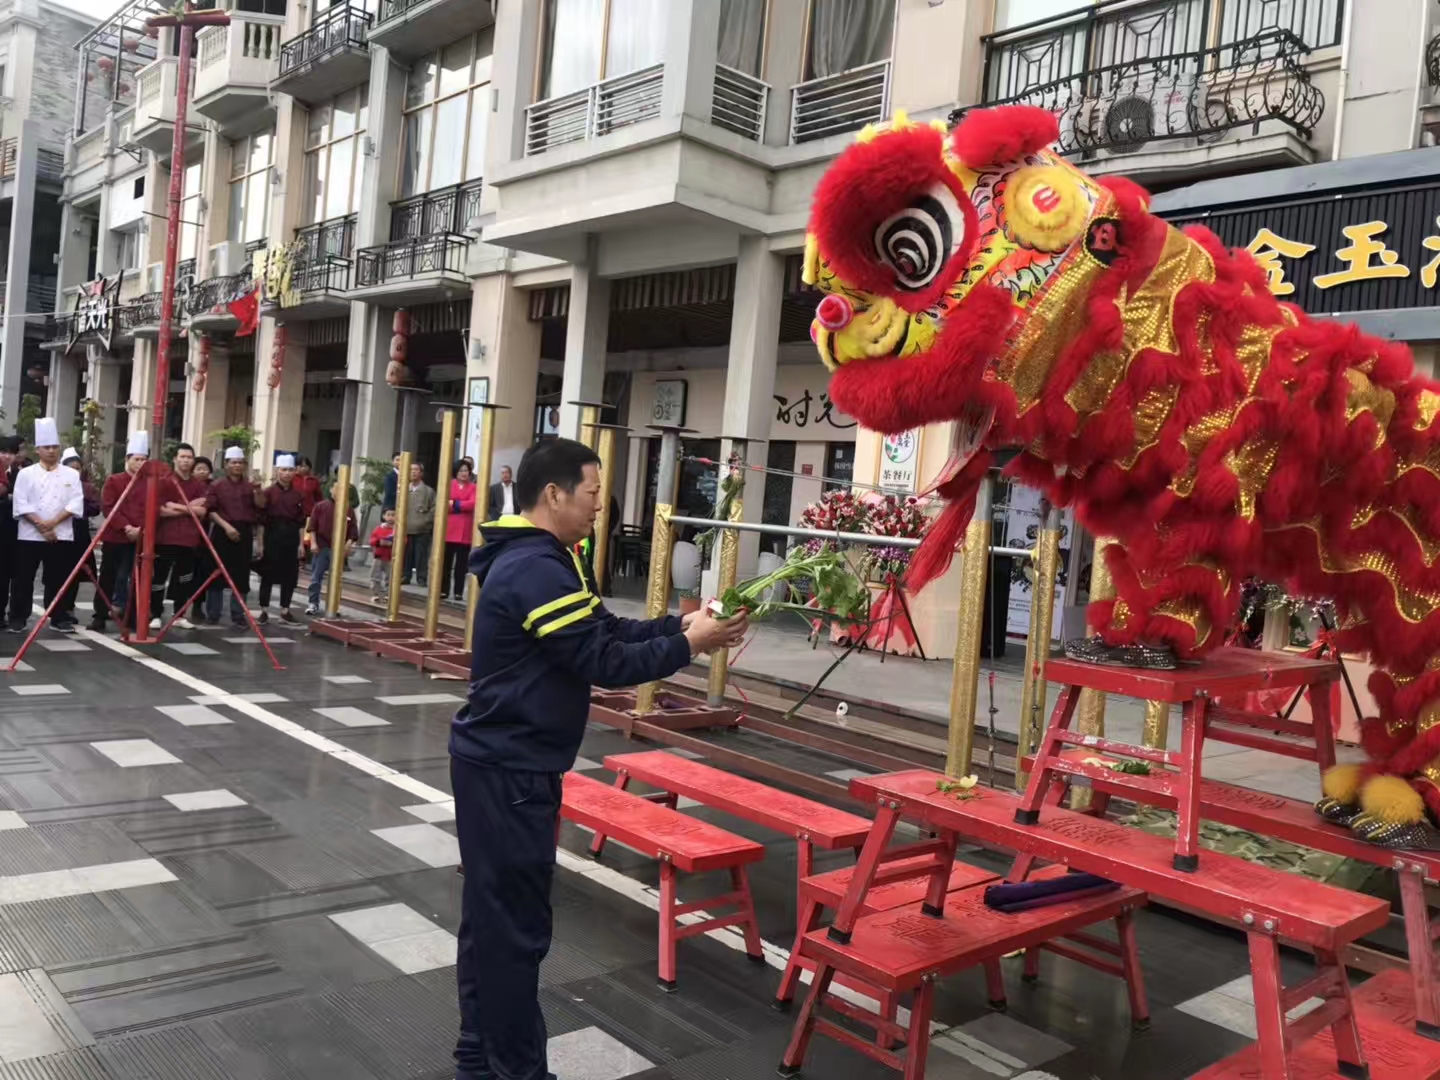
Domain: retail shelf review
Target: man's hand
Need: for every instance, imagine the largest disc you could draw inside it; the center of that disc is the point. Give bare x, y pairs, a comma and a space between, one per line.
232, 532
705, 632
132, 533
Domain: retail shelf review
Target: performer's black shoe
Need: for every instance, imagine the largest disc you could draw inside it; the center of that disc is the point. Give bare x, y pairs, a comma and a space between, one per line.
1336, 812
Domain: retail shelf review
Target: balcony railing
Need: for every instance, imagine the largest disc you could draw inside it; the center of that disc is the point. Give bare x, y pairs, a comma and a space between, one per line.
184, 269
142, 311
49, 165
335, 236
255, 43
1108, 34
739, 103
597, 110
402, 259
1197, 95
208, 295
394, 9
149, 83
839, 103
1432, 61
325, 273
340, 28
448, 210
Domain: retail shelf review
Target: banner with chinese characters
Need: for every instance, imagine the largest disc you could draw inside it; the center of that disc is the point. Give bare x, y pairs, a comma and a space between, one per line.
1367, 249
900, 462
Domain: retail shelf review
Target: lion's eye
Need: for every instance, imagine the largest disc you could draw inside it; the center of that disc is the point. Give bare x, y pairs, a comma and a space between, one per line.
917, 241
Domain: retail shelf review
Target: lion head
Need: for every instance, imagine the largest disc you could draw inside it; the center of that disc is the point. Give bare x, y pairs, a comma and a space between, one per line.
932, 249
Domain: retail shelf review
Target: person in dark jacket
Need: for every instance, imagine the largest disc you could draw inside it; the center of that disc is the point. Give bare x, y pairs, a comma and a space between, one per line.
12, 460
80, 545
392, 485
547, 639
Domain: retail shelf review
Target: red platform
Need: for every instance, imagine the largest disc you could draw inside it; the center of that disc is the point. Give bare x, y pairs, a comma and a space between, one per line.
413, 650
343, 630
1197, 688
1385, 1010
456, 662
673, 712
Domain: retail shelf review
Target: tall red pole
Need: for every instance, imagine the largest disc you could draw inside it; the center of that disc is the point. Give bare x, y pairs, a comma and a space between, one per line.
155, 469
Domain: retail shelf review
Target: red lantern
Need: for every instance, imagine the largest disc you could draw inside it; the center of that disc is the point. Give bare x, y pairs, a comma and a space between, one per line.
396, 372
277, 357
152, 31
202, 367
105, 63
130, 44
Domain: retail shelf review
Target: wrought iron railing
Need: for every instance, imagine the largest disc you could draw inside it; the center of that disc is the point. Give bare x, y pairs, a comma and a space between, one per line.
839, 103
597, 110
325, 273
448, 210
208, 295
401, 259
394, 9
59, 329
142, 311
334, 236
1193, 95
1108, 34
1432, 60
739, 102
340, 28
185, 268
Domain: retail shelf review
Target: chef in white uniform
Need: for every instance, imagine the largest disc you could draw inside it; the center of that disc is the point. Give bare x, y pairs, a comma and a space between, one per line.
46, 498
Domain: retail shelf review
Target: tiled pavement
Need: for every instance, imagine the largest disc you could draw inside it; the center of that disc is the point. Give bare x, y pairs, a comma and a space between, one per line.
210, 869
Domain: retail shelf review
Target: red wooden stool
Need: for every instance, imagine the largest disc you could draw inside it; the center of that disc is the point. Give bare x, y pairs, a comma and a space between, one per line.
1228, 675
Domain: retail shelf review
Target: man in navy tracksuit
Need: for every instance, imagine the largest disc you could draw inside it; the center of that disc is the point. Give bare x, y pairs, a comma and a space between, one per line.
542, 638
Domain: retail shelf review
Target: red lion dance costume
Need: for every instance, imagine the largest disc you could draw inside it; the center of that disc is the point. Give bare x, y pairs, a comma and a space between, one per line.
1151, 379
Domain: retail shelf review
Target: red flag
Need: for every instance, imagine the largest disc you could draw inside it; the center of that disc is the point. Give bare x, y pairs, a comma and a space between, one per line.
247, 310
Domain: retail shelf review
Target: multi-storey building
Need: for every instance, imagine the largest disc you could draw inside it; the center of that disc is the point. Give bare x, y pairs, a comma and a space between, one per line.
605, 200
37, 100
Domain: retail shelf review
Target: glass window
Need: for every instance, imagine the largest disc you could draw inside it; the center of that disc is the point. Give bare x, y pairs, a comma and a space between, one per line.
848, 34
190, 210
334, 164
742, 35
447, 101
636, 36
250, 161
574, 38
1012, 13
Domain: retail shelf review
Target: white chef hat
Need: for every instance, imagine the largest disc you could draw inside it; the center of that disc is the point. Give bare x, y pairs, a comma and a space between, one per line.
234, 453
139, 444
46, 433
68, 455
285, 461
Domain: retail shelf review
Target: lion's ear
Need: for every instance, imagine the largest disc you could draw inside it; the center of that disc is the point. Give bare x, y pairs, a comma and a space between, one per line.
1005, 133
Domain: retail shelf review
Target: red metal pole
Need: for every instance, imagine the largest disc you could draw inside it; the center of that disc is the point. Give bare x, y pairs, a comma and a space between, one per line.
167, 319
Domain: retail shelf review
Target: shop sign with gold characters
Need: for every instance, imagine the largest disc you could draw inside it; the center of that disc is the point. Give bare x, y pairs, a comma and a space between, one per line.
273, 268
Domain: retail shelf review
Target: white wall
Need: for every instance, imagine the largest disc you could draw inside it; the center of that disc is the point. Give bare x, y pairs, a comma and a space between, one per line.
705, 400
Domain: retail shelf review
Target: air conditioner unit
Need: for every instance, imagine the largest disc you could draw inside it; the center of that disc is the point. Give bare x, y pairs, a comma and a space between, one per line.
227, 259
1131, 117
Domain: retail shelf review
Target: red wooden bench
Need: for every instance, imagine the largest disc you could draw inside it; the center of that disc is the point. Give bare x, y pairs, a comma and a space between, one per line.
1295, 822
1271, 905
1231, 673
905, 949
680, 843
810, 823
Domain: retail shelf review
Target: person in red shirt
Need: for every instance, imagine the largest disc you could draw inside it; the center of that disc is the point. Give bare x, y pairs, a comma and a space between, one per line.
307, 483
123, 521
177, 537
459, 527
322, 527
285, 516
382, 550
235, 511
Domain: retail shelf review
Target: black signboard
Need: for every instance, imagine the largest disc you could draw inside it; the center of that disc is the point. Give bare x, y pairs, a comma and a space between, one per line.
1367, 249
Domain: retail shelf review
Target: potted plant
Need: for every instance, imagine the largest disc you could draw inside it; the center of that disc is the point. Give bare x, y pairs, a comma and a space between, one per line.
689, 600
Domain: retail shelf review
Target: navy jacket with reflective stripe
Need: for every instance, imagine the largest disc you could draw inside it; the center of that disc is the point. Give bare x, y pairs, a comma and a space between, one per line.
542, 639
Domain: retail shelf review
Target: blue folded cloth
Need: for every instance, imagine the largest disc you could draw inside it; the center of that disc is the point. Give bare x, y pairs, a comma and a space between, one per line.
1024, 895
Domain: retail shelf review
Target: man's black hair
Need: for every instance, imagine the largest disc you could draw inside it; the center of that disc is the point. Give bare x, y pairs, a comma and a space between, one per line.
302, 460
184, 446
10, 444
555, 461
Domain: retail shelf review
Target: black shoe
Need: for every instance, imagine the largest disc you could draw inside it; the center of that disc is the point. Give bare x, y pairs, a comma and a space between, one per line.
240, 624
16, 629
264, 616
96, 625
286, 617
63, 626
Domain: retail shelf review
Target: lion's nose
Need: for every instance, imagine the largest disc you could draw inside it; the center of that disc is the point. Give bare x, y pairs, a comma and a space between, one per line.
834, 312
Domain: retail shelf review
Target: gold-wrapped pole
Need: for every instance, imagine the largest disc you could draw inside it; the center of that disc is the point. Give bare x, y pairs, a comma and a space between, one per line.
657, 597
965, 671
1156, 732
339, 531
397, 558
442, 518
588, 415
1090, 714
603, 524
482, 512
729, 563
1037, 645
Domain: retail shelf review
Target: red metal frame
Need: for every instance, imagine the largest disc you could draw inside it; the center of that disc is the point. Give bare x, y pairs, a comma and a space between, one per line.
158, 472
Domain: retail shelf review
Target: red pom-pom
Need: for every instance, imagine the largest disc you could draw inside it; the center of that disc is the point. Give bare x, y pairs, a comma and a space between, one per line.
1005, 133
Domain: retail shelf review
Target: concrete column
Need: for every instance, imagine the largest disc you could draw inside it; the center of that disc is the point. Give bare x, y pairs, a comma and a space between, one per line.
381, 176
500, 321
377, 408
142, 386
63, 402
784, 66
205, 412
103, 381
692, 38
277, 411
1381, 71
750, 372
77, 230
586, 330
517, 55
17, 284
